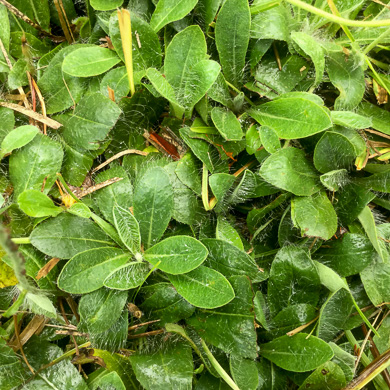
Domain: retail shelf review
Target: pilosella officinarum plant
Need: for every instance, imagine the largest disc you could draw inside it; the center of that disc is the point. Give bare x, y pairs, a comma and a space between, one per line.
194, 194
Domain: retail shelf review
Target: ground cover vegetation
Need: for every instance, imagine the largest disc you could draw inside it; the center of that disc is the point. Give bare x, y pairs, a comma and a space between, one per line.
194, 194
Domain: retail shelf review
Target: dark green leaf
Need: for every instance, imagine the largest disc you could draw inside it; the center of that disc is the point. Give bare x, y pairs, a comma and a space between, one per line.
86, 271
298, 353
67, 235
203, 287
289, 170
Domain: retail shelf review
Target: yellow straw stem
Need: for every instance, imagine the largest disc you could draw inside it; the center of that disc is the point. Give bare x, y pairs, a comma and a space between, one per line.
127, 44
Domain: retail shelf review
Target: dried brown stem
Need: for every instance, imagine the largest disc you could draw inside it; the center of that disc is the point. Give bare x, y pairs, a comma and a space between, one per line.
118, 155
30, 113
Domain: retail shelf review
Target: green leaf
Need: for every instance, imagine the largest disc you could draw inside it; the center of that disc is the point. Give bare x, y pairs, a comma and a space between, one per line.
366, 218
252, 137
35, 162
333, 314
105, 5
62, 376
351, 119
17, 138
232, 38
244, 372
61, 90
333, 151
161, 301
292, 117
298, 353
67, 235
187, 207
80, 209
165, 89
127, 276
146, 46
168, 11
329, 278
334, 180
120, 193
348, 256
7, 118
226, 232
328, 376
153, 204
203, 287
227, 124
271, 81
99, 310
11, 371
293, 279
375, 279
380, 117
118, 81
187, 171
269, 139
345, 360
230, 261
346, 74
177, 255
128, 229
314, 215
187, 68
172, 367
86, 271
17, 76
40, 304
89, 61
36, 204
289, 170
120, 364
237, 316
311, 47
105, 379
271, 24
91, 122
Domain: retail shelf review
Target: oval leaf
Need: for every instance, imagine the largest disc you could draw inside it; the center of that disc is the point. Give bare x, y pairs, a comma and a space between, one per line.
89, 61
203, 287
36, 204
288, 169
67, 235
177, 255
86, 271
298, 353
292, 117
17, 138
128, 229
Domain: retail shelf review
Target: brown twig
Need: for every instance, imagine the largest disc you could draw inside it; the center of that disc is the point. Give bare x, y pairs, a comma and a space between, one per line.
146, 334
64, 21
35, 115
42, 101
20, 344
133, 327
118, 155
99, 186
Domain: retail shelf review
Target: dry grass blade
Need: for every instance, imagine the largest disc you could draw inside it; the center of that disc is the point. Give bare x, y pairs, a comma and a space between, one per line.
35, 326
99, 186
34, 115
370, 372
43, 272
20, 346
118, 155
146, 334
